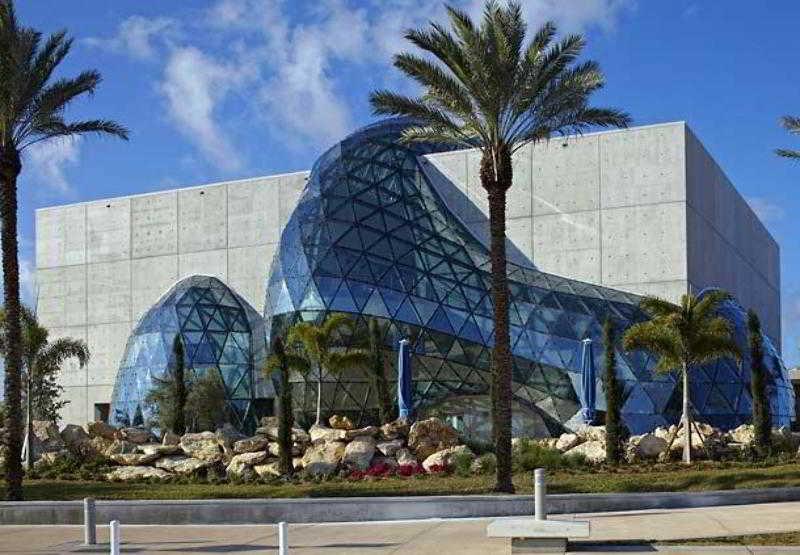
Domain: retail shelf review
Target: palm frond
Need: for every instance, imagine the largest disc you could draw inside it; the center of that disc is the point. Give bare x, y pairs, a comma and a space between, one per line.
785, 153
339, 362
709, 304
657, 307
791, 124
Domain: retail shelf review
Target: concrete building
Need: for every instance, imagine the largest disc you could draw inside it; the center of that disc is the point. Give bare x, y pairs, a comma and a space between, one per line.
644, 210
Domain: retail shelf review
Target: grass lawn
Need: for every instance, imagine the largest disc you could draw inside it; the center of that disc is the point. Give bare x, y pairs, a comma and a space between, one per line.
673, 477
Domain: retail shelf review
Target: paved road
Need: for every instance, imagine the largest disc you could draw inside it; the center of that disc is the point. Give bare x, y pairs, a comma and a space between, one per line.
435, 537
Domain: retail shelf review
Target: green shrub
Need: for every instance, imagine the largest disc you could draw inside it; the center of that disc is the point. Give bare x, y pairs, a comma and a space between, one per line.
529, 455
461, 464
486, 463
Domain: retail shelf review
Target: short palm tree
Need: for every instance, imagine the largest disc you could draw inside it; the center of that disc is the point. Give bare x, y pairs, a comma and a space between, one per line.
485, 87
42, 361
792, 125
283, 362
319, 345
32, 105
683, 336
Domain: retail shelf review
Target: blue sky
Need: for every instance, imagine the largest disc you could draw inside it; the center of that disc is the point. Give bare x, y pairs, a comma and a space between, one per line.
222, 89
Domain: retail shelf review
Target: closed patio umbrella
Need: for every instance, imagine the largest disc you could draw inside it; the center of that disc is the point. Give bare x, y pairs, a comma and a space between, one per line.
588, 375
404, 400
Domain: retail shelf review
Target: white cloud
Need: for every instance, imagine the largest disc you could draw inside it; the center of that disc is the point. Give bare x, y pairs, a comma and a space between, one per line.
194, 85
766, 210
48, 160
140, 37
572, 16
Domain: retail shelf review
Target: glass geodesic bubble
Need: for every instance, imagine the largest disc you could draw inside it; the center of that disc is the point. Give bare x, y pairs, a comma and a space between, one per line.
372, 237
221, 333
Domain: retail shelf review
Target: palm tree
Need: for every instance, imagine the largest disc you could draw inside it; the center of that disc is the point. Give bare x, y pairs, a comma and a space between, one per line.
179, 412
792, 125
683, 336
42, 361
762, 419
485, 88
377, 373
613, 391
317, 343
283, 362
32, 106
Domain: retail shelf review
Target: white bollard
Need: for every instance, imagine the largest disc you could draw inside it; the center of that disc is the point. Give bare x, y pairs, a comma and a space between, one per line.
116, 539
539, 495
283, 538
89, 522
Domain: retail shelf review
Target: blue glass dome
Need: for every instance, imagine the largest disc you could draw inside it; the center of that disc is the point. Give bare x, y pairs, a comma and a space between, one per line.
221, 333
372, 237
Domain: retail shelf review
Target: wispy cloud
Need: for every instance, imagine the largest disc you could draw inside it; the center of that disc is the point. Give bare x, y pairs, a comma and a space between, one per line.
290, 63
766, 210
140, 37
48, 161
194, 85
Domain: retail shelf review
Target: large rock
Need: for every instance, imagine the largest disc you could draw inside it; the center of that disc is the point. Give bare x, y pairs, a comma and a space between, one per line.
134, 459
182, 465
743, 434
594, 451
323, 458
74, 436
136, 435
227, 436
426, 437
268, 469
340, 422
644, 447
101, 429
171, 438
359, 452
104, 447
46, 438
274, 449
241, 465
251, 445
591, 433
269, 427
159, 449
396, 429
321, 433
129, 473
444, 459
367, 431
567, 441
204, 446
389, 448
405, 457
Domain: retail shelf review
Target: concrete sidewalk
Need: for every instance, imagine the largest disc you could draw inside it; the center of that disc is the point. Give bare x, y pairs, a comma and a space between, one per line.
435, 537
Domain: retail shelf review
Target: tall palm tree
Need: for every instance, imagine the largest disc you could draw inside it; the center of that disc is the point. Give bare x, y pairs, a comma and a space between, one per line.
42, 361
683, 336
318, 344
283, 362
792, 125
32, 106
485, 88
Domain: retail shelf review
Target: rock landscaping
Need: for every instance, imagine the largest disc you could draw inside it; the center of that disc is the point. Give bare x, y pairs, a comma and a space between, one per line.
397, 448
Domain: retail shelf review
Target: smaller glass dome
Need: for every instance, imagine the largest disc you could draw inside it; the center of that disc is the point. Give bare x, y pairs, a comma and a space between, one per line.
221, 333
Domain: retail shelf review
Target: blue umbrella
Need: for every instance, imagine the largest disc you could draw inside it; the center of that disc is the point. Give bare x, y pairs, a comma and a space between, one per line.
588, 375
404, 401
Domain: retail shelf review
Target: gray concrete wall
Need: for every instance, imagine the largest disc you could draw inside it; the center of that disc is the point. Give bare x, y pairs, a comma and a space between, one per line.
645, 210
102, 264
728, 246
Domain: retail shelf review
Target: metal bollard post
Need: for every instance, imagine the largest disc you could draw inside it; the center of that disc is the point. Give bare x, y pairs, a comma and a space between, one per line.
283, 538
89, 522
116, 539
539, 495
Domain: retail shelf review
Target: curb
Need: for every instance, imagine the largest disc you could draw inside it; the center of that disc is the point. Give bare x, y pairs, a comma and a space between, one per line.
351, 509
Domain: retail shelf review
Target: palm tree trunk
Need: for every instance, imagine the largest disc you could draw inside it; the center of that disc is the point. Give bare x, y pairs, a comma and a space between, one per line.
29, 428
10, 168
319, 395
285, 422
496, 177
686, 418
